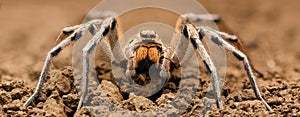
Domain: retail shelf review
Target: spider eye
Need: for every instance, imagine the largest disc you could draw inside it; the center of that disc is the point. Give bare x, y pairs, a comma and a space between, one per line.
148, 34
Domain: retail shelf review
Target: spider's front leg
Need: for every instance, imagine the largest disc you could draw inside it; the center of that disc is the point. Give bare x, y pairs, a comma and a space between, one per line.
168, 59
108, 29
232, 39
67, 36
215, 36
191, 33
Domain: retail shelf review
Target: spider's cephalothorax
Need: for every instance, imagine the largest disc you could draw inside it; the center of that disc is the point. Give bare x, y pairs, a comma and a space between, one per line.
145, 51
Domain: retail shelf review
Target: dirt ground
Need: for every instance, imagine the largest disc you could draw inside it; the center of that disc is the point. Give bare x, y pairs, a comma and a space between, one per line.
269, 31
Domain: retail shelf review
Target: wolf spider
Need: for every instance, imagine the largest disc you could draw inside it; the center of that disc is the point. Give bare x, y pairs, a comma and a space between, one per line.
146, 47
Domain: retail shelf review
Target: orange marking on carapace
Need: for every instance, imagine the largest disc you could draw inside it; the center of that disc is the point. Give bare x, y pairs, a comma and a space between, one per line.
150, 50
153, 54
141, 54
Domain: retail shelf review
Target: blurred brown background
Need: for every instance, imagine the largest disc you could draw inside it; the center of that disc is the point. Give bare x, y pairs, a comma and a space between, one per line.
28, 29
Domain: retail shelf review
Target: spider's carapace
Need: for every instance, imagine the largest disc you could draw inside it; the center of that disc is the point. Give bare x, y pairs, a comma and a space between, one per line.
147, 52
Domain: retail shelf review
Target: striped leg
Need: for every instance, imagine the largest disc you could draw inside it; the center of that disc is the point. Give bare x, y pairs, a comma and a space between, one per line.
191, 33
167, 60
215, 36
106, 29
68, 35
234, 40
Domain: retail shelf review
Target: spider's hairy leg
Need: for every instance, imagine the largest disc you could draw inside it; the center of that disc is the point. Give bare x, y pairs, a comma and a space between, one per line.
115, 46
191, 17
183, 44
167, 60
105, 29
235, 41
215, 36
67, 31
190, 32
67, 36
130, 71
